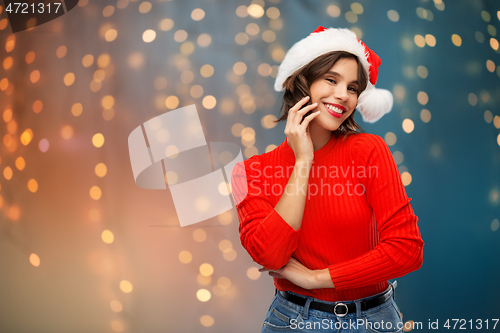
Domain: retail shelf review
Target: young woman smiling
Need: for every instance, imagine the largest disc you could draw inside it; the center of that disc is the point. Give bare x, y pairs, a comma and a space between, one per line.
331, 251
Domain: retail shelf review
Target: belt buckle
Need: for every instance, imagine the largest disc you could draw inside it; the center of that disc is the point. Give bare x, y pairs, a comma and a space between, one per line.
340, 314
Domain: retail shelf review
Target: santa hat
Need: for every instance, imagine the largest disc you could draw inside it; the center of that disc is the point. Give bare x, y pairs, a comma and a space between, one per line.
372, 103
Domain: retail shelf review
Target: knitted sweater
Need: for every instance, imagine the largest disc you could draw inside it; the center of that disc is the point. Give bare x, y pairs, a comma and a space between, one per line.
357, 222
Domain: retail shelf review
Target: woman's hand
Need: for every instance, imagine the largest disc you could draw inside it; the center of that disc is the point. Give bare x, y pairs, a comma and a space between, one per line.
297, 133
302, 276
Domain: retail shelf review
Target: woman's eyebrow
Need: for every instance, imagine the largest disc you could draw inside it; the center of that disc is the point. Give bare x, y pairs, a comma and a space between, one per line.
335, 74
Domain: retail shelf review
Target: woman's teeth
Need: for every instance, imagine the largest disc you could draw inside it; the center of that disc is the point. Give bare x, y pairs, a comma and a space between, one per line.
334, 109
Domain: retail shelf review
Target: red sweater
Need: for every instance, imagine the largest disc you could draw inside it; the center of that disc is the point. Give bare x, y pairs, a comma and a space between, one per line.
357, 222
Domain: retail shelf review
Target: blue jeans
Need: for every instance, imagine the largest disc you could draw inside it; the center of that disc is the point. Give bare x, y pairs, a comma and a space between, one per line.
286, 316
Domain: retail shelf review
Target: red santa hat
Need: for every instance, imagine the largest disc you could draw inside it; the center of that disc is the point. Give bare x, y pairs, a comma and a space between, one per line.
372, 103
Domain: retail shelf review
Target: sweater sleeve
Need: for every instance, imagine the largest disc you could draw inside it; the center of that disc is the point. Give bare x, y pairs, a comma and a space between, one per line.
268, 239
400, 247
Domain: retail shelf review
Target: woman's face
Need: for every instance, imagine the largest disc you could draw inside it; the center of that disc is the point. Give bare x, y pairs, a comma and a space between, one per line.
336, 94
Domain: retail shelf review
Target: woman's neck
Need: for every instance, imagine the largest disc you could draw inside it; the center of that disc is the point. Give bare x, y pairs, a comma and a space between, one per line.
319, 135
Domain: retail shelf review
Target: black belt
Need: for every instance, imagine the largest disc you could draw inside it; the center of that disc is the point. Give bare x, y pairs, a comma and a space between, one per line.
340, 309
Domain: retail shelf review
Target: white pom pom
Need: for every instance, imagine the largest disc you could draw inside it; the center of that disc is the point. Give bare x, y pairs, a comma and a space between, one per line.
373, 103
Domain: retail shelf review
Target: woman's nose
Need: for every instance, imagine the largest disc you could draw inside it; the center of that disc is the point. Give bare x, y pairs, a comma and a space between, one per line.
341, 93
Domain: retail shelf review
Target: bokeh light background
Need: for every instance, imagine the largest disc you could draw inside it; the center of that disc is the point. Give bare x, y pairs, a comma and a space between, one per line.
83, 249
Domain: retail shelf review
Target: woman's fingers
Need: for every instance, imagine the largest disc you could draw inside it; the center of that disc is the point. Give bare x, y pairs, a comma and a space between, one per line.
296, 107
308, 119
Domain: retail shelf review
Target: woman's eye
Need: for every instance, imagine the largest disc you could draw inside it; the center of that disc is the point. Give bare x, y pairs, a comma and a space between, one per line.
331, 80
352, 89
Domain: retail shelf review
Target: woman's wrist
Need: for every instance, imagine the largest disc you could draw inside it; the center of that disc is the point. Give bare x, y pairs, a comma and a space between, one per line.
321, 278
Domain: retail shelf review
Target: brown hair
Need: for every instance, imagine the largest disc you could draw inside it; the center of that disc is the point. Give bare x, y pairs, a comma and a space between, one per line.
297, 86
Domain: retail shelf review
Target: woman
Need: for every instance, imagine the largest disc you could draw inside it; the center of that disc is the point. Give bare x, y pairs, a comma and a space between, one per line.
326, 213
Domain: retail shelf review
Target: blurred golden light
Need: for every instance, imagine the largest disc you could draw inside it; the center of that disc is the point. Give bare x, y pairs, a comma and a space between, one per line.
94, 215
333, 11
99, 75
148, 36
197, 14
425, 115
4, 84
251, 151
357, 31
180, 36
98, 140
488, 116
224, 282
135, 60
357, 8
206, 320
171, 152
408, 326
393, 15
95, 86
199, 235
273, 13
494, 43
209, 102
247, 134
172, 102
37, 106
7, 115
116, 306
101, 170
264, 69
108, 11
419, 40
422, 97
3, 23
390, 138
110, 35
187, 48
126, 286
117, 326
229, 254
7, 173
8, 140
406, 178
253, 273
496, 122
61, 51
166, 24
10, 43
351, 17
268, 36
69, 79
242, 11
492, 30
76, 109
278, 54
20, 163
14, 213
43, 145
67, 132
171, 178
239, 68
145, 7
224, 188
494, 193
255, 10
206, 269
34, 260
456, 40
35, 76
485, 16
107, 237
241, 38
7, 63
196, 91
408, 125
225, 245
12, 127
268, 121
203, 295
204, 40
252, 29
270, 148
472, 98
398, 157
103, 60
206, 70
30, 57
422, 72
26, 137
225, 218
108, 101
185, 257
498, 139
495, 224
490, 65
187, 76
95, 192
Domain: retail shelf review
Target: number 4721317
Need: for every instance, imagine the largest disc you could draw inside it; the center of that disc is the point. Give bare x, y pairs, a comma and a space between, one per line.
26, 8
